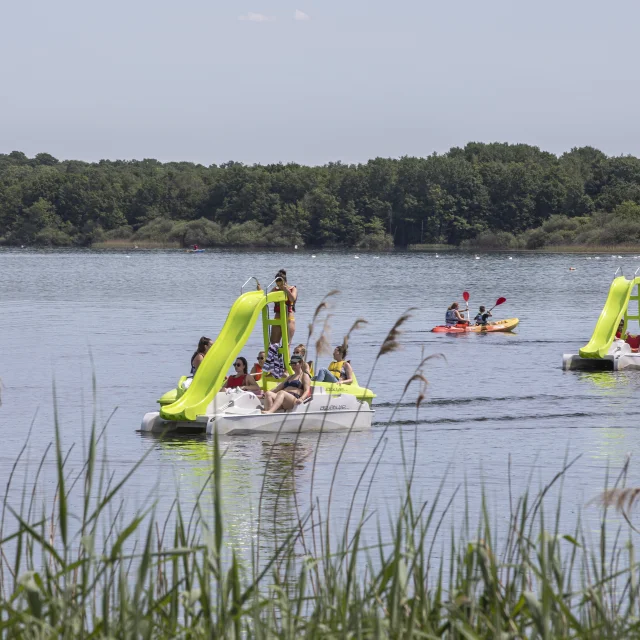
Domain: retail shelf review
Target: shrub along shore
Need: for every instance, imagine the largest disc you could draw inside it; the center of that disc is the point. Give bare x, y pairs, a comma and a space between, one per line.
484, 196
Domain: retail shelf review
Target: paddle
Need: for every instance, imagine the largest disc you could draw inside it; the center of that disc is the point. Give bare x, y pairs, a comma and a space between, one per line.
465, 297
499, 301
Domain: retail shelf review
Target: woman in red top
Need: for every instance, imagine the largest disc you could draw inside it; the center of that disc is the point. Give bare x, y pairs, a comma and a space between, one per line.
242, 380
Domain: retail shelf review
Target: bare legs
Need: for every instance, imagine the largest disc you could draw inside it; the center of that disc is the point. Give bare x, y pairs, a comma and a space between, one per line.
281, 400
276, 331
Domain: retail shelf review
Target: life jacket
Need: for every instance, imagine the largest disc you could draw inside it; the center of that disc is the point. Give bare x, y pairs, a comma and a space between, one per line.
337, 369
450, 317
258, 374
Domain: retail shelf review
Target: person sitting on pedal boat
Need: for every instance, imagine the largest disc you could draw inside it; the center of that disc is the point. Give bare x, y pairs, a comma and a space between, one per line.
339, 371
293, 391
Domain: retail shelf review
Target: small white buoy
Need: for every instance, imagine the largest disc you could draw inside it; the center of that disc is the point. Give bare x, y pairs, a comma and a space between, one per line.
376, 257
477, 257
295, 246
589, 258
357, 257
620, 257
437, 256
597, 258
510, 258
313, 256
135, 246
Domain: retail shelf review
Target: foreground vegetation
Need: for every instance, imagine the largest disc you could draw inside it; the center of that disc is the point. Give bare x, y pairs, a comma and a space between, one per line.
101, 572
485, 195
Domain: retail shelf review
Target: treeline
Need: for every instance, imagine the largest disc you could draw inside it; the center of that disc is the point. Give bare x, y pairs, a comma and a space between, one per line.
482, 194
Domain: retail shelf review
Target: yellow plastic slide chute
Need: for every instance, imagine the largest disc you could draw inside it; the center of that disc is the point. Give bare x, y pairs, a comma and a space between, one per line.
211, 373
614, 310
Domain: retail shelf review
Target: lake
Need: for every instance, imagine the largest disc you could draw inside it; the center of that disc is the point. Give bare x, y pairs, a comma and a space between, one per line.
133, 319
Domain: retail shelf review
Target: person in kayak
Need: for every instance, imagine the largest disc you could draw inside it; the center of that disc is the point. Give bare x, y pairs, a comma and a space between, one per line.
481, 318
453, 316
293, 391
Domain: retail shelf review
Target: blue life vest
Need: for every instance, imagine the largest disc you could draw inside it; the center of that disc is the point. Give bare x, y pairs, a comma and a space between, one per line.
451, 317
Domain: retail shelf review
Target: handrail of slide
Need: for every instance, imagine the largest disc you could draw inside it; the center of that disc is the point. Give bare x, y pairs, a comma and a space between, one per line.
210, 375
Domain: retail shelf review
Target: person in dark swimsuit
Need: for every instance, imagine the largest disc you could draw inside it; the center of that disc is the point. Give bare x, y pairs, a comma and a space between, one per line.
204, 344
293, 391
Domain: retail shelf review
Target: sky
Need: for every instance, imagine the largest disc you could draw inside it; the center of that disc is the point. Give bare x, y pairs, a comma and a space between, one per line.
260, 81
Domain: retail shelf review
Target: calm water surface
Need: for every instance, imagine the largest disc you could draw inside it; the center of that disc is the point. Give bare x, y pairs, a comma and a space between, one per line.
134, 319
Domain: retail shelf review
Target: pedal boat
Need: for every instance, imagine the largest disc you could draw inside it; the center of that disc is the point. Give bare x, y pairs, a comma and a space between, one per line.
236, 412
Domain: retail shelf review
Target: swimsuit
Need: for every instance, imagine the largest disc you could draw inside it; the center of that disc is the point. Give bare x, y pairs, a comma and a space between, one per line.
296, 384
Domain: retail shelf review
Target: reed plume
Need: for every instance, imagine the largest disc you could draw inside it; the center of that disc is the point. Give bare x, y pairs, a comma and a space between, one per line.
391, 342
320, 308
323, 343
360, 322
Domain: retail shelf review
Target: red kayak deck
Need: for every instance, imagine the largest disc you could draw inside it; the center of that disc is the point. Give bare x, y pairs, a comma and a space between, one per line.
500, 325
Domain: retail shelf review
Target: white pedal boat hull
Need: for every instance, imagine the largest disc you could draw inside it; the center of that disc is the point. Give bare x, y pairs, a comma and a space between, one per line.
239, 413
619, 357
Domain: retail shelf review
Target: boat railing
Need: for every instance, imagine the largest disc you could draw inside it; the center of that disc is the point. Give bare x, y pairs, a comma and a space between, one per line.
615, 275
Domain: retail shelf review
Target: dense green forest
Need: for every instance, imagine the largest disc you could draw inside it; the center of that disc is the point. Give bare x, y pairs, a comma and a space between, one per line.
483, 195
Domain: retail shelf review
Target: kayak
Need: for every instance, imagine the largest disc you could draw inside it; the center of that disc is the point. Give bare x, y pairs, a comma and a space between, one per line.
499, 325
195, 250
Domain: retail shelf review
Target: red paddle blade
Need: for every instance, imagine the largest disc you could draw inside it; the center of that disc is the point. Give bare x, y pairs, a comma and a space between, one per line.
500, 301
465, 296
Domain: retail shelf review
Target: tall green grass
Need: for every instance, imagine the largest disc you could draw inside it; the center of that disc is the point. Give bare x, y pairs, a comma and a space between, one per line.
92, 572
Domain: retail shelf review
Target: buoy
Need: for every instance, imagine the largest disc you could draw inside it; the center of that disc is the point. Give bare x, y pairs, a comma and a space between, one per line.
597, 258
477, 257
437, 256
510, 258
295, 246
313, 256
357, 257
572, 268
620, 257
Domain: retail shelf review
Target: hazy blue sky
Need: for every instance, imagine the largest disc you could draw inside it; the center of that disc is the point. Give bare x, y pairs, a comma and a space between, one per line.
191, 80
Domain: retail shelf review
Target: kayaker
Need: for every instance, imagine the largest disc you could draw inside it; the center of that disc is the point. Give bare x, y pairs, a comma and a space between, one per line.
293, 391
242, 379
453, 316
339, 371
482, 316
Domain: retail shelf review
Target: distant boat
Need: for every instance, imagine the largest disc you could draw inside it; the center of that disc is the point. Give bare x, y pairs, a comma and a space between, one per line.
195, 250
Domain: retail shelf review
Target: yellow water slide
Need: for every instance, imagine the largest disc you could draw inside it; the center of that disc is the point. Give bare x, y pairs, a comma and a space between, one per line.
615, 309
212, 371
